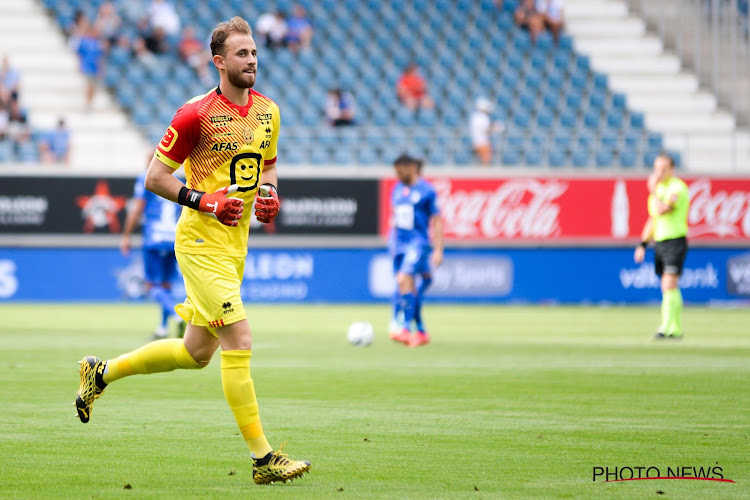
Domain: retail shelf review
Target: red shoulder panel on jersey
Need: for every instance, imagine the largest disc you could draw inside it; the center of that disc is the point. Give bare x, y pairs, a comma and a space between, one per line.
183, 133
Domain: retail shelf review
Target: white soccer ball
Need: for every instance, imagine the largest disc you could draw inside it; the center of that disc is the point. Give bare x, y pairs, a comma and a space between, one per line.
360, 334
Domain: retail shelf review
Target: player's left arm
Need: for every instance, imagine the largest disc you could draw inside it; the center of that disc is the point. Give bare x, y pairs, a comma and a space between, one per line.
267, 202
437, 240
436, 223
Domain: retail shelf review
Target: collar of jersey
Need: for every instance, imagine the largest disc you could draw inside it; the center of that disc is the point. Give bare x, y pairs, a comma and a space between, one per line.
242, 110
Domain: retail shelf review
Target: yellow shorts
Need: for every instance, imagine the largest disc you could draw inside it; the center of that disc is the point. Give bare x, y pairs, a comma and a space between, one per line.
212, 283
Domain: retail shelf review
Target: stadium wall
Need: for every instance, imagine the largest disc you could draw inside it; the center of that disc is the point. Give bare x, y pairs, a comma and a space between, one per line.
511, 238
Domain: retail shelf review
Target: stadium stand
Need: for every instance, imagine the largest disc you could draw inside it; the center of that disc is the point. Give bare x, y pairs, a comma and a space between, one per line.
577, 104
51, 88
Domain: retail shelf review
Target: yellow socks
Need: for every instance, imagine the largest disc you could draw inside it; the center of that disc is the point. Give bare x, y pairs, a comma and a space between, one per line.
239, 391
155, 357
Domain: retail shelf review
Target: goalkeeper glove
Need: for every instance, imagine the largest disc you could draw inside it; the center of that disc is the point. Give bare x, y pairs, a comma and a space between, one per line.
267, 204
228, 211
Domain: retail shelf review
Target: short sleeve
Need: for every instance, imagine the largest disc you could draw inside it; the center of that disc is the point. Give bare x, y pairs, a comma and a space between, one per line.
180, 138
433, 207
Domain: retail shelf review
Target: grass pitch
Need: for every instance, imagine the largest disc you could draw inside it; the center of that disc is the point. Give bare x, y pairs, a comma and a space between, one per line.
507, 402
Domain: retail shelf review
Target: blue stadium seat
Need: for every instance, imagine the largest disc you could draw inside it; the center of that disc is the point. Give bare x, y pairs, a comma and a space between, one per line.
628, 158
557, 157
580, 157
619, 101
609, 140
604, 158
511, 156
344, 156
637, 121
533, 157
654, 141
592, 118
632, 140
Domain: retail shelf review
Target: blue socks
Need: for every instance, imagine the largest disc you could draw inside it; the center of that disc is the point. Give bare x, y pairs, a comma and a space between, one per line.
407, 305
423, 286
165, 300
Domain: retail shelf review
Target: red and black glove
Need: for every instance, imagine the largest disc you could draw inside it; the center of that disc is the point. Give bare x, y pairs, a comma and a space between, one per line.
267, 203
228, 211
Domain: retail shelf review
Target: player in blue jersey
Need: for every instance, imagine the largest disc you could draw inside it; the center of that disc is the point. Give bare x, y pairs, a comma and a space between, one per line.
415, 215
159, 217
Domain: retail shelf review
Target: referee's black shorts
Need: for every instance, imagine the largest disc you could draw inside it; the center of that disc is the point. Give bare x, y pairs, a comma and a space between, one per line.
669, 256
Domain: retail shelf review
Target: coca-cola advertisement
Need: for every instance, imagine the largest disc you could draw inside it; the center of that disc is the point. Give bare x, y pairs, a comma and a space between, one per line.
577, 210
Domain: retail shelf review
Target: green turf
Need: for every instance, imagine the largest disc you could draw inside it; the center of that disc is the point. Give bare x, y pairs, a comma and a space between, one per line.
507, 402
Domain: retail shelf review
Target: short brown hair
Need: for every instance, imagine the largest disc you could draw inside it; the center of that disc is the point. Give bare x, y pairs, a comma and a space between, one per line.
223, 30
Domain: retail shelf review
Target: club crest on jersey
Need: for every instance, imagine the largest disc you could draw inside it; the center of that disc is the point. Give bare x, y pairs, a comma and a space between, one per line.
248, 136
225, 146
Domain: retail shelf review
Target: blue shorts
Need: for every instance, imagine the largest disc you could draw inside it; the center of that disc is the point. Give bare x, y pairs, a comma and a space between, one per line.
160, 265
414, 261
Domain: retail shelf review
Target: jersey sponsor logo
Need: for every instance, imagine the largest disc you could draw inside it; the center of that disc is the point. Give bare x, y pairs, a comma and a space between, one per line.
225, 146
170, 137
221, 118
248, 135
264, 118
265, 144
222, 134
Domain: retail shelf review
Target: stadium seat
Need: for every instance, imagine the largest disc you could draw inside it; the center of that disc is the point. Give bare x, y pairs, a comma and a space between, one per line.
627, 158
511, 156
539, 89
557, 157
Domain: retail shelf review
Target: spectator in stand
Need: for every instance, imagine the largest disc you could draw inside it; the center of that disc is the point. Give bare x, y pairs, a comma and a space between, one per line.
481, 128
56, 144
528, 17
108, 23
9, 80
163, 15
90, 51
299, 30
76, 29
195, 54
271, 29
340, 108
18, 124
552, 12
145, 56
156, 41
411, 89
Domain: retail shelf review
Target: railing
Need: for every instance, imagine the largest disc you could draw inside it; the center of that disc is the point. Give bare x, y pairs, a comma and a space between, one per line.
712, 38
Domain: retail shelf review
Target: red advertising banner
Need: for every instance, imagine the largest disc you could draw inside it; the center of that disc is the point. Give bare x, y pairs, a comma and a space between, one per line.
560, 209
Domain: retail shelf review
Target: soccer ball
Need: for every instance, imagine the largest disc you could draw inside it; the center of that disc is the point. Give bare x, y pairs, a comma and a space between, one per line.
360, 334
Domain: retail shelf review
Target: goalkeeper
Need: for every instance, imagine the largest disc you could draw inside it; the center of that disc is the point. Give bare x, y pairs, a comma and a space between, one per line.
227, 142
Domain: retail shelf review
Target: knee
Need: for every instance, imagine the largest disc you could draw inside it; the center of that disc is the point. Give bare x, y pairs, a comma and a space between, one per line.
201, 356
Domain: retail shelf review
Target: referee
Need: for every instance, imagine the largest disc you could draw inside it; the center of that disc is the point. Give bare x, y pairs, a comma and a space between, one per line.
668, 205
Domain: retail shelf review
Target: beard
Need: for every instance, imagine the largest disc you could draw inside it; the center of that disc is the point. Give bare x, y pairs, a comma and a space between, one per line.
241, 80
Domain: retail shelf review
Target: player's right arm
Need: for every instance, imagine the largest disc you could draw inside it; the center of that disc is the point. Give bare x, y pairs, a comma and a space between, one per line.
178, 142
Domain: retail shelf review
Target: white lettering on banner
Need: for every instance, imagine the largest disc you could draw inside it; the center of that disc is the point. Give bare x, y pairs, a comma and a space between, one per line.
645, 277
23, 210
738, 274
8, 280
280, 266
718, 213
320, 212
275, 291
502, 212
457, 277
